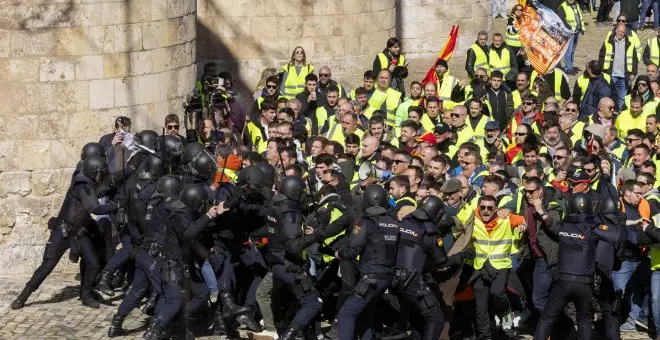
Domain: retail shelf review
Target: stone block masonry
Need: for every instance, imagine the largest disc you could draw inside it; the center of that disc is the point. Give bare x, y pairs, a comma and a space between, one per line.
67, 70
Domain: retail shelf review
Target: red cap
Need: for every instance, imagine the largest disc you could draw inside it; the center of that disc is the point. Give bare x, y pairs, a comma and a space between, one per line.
428, 137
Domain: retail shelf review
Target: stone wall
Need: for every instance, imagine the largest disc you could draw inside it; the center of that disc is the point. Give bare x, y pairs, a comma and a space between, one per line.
247, 36
424, 27
67, 70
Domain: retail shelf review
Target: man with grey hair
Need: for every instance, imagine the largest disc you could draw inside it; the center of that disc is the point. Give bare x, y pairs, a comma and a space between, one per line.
477, 55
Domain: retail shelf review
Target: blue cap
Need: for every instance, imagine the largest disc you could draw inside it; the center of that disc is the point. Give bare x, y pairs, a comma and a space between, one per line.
492, 125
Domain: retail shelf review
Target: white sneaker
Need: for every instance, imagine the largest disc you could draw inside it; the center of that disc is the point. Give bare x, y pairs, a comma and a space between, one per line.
506, 322
497, 321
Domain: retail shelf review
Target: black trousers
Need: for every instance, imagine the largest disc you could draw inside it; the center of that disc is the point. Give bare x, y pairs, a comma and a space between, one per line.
419, 295
604, 10
607, 300
486, 289
561, 294
55, 249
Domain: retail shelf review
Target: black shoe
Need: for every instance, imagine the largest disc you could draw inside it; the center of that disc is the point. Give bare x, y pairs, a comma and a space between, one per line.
89, 300
247, 320
19, 302
150, 307
229, 307
117, 281
291, 332
104, 284
115, 327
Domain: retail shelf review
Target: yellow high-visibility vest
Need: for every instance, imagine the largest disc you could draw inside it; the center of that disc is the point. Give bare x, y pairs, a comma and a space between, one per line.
386, 102
292, 82
494, 247
503, 63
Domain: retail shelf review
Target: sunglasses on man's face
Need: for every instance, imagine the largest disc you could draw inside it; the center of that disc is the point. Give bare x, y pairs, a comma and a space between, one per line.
173, 127
271, 86
487, 208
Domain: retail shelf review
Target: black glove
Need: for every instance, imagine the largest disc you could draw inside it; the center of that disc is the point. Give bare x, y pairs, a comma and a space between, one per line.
311, 221
323, 216
468, 254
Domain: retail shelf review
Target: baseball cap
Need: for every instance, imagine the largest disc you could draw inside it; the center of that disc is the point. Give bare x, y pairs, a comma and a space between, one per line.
428, 138
492, 125
451, 186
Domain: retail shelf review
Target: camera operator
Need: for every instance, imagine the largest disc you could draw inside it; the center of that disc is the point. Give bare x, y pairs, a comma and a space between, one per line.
210, 71
122, 125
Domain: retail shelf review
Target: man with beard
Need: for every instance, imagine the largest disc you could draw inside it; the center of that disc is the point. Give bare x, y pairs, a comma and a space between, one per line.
377, 129
438, 168
408, 133
632, 118
646, 181
557, 177
413, 100
552, 138
342, 124
600, 181
492, 141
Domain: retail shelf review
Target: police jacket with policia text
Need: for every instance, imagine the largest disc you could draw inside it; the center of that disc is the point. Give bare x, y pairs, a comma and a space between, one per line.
579, 235
81, 201
417, 241
546, 240
375, 241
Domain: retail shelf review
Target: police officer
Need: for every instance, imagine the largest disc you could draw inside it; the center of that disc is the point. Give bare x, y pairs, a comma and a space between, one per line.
232, 237
610, 216
578, 234
419, 238
147, 269
171, 148
70, 230
374, 239
176, 225
137, 190
285, 245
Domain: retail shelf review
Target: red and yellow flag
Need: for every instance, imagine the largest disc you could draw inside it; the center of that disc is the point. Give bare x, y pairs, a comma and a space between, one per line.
445, 54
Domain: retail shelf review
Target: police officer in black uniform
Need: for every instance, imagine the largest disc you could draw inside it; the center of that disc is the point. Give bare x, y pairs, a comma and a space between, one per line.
286, 242
610, 216
70, 231
420, 238
374, 239
147, 269
176, 225
579, 234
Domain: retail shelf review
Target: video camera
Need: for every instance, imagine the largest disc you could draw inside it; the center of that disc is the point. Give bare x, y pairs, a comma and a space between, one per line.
210, 100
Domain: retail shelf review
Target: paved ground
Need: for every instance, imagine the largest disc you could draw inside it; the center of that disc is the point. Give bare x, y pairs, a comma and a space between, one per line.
54, 312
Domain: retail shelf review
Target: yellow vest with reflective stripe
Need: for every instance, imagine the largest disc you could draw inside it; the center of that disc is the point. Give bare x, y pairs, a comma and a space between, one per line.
427, 124
321, 117
448, 84
570, 16
409, 199
609, 55
625, 122
479, 131
481, 59
634, 40
512, 40
654, 51
517, 101
495, 62
559, 77
576, 131
259, 141
655, 249
293, 83
390, 99
260, 100
334, 215
385, 63
336, 133
494, 247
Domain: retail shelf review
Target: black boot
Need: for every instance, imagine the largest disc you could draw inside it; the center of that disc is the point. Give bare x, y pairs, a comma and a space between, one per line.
21, 298
104, 284
115, 327
247, 320
88, 299
117, 281
150, 307
229, 307
291, 332
154, 331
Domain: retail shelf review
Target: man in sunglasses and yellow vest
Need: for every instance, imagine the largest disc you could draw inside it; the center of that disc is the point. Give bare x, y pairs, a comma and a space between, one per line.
492, 239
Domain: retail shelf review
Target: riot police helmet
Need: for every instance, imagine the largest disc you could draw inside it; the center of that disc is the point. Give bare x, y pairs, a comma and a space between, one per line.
194, 197
94, 167
608, 207
431, 209
190, 152
172, 145
268, 179
204, 165
292, 187
154, 166
169, 186
148, 138
252, 176
374, 200
580, 204
92, 149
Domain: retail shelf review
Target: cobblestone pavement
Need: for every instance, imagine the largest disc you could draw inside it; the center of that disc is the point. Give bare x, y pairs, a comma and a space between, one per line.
54, 312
